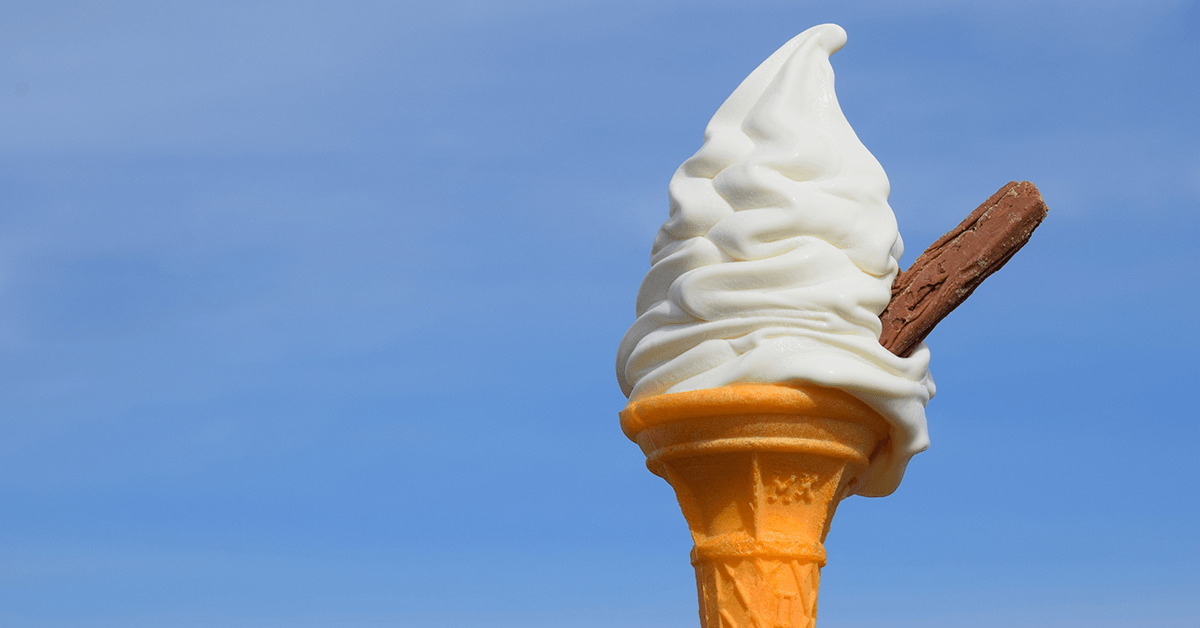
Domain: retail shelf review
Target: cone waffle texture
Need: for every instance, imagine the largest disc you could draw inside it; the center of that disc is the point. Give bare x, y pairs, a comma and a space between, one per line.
758, 470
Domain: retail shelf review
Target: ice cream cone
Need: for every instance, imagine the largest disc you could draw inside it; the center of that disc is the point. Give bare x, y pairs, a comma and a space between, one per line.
758, 470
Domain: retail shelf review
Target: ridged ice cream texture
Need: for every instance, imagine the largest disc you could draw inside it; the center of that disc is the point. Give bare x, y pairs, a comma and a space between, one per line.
778, 257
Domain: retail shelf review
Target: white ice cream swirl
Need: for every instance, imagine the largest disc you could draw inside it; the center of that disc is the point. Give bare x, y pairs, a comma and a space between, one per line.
778, 257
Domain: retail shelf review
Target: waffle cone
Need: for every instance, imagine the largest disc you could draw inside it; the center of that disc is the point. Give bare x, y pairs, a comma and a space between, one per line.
758, 470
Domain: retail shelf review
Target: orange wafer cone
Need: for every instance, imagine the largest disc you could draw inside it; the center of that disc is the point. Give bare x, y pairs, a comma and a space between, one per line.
758, 470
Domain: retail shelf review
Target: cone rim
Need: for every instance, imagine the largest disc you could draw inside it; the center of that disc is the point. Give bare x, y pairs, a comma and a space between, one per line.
748, 399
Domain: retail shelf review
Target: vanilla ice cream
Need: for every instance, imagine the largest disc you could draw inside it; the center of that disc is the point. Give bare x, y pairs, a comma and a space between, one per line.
778, 256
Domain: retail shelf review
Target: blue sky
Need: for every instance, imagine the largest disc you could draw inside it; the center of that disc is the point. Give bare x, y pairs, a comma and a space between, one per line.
308, 310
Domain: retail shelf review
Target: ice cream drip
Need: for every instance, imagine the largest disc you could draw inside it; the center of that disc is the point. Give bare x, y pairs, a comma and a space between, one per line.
778, 256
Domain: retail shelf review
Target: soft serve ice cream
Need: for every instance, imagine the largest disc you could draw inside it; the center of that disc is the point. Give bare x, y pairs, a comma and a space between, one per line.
778, 256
